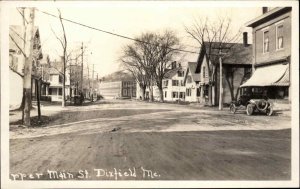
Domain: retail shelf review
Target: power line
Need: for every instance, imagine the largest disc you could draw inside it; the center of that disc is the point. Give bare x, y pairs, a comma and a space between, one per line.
111, 33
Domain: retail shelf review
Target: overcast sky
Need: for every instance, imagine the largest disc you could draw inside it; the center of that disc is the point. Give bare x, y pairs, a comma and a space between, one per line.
125, 18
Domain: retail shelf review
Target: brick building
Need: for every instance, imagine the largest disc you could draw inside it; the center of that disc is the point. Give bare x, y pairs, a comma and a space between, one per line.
118, 85
272, 51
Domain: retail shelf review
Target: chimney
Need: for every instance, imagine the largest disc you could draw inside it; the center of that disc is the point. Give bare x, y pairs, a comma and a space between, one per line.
245, 39
264, 10
174, 65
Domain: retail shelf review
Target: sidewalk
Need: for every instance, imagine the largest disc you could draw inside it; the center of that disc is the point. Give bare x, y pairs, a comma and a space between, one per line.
48, 109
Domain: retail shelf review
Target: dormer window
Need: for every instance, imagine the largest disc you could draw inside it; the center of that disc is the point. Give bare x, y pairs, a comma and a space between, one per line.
180, 73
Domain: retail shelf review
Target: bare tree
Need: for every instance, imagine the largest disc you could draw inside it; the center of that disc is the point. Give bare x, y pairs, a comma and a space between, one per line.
149, 58
168, 49
138, 59
65, 56
214, 37
27, 50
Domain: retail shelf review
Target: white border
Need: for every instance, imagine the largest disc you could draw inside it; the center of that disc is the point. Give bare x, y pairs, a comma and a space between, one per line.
6, 183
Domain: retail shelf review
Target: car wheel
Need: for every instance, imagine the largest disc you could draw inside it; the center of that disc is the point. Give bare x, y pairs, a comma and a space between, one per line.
269, 111
232, 108
249, 109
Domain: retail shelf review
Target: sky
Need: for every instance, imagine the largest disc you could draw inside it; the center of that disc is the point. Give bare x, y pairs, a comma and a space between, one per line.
128, 19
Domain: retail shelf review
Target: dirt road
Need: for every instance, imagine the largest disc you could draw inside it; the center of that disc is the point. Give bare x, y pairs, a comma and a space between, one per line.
134, 141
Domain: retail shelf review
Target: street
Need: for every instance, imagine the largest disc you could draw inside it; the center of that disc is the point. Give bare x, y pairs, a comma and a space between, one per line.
133, 140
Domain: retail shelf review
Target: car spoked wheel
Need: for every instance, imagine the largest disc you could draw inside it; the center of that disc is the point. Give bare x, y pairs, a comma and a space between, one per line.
262, 105
249, 109
269, 111
232, 108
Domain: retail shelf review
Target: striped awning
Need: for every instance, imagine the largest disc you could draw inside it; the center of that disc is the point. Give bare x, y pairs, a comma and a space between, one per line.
273, 75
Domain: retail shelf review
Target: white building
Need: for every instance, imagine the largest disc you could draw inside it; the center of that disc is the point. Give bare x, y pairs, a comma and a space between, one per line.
56, 84
173, 84
191, 81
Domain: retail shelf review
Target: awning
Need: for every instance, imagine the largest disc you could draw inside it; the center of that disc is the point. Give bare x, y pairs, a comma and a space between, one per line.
273, 75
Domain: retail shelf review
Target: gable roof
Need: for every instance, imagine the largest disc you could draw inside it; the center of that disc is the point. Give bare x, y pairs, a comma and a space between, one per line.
17, 33
192, 69
172, 72
236, 53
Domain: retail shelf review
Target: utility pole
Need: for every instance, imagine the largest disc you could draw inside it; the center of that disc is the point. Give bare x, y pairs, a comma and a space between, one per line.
29, 15
221, 75
221, 82
89, 80
93, 84
81, 68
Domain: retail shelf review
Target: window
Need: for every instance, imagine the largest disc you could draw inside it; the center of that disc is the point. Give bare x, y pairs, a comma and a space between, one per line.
181, 83
188, 92
165, 83
229, 71
181, 95
175, 82
203, 71
180, 73
165, 94
124, 92
175, 94
60, 91
189, 79
266, 42
60, 78
279, 37
198, 92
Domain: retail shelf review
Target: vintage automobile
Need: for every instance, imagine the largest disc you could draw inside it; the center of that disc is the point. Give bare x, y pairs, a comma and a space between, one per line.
253, 99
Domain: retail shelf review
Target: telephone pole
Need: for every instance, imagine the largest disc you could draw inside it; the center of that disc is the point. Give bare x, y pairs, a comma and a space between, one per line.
29, 15
93, 84
221, 54
221, 82
81, 68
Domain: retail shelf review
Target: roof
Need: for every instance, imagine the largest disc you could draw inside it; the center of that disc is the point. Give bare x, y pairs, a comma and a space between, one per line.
268, 16
235, 53
17, 33
192, 69
169, 74
55, 66
118, 76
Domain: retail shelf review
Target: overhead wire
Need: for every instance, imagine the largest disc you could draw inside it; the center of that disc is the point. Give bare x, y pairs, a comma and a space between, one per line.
107, 32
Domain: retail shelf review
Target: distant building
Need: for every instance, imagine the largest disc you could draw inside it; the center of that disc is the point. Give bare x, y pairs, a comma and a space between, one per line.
118, 85
272, 51
56, 82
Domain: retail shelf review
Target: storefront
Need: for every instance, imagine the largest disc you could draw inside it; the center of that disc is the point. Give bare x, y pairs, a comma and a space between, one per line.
275, 79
